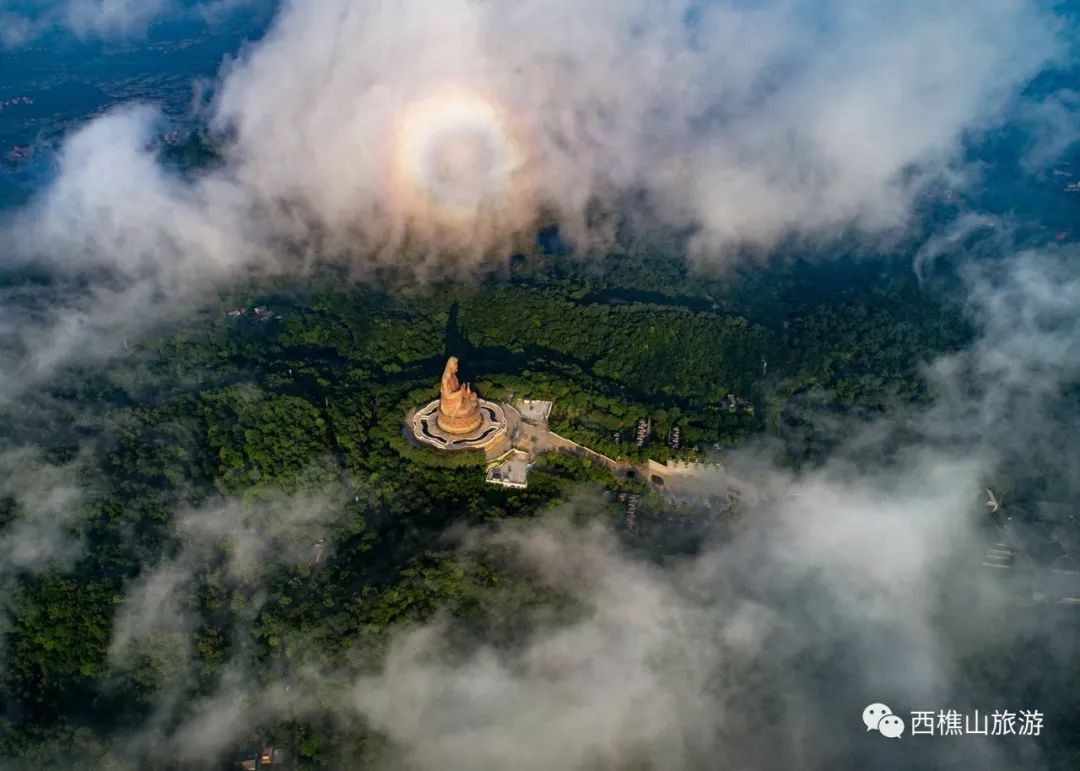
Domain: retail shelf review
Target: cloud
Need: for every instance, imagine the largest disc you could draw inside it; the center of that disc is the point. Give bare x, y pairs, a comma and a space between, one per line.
427, 138
1053, 127
113, 17
613, 687
236, 547
42, 509
715, 660
126, 244
757, 653
45, 503
748, 124
853, 582
240, 541
25, 21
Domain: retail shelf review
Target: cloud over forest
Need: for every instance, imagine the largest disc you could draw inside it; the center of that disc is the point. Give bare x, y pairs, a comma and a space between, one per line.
24, 22
850, 582
431, 136
408, 135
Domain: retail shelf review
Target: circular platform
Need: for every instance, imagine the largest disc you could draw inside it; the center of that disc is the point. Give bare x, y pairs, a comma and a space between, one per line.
426, 428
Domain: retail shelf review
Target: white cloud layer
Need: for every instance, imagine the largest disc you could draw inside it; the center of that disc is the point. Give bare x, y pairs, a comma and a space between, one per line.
23, 21
744, 124
852, 583
855, 582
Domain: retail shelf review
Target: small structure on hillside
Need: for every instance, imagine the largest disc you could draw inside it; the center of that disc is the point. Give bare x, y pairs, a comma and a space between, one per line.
733, 403
534, 410
1000, 556
641, 433
265, 757
632, 501
686, 481
511, 471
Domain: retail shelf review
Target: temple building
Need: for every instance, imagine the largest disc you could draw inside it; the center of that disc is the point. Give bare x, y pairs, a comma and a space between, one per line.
458, 419
512, 470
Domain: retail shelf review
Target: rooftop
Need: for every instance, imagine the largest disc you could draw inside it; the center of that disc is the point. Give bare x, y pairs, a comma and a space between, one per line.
511, 472
534, 410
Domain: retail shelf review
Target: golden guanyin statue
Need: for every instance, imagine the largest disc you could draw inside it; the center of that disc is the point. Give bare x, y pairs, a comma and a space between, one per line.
459, 407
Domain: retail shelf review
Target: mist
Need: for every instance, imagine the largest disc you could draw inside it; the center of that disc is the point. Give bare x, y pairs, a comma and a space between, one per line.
855, 581
739, 126
25, 22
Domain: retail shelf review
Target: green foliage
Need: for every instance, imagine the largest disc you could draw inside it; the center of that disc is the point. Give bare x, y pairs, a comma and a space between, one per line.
58, 641
262, 439
313, 406
652, 349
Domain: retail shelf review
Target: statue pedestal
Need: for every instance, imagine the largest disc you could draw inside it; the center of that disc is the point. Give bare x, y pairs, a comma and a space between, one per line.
463, 422
427, 428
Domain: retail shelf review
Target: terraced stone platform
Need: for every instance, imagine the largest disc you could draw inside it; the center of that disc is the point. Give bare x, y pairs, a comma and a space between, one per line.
426, 429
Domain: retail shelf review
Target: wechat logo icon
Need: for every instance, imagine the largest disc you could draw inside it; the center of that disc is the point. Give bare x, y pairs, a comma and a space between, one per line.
878, 717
